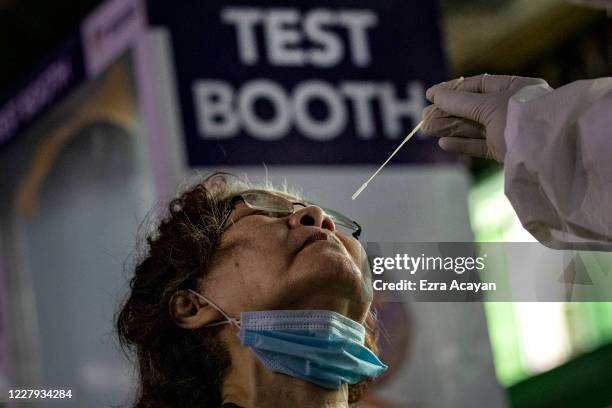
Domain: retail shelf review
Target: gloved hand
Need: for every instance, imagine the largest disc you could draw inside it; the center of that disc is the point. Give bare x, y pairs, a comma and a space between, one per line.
469, 114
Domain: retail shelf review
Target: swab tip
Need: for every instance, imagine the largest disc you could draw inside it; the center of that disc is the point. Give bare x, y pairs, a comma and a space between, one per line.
359, 190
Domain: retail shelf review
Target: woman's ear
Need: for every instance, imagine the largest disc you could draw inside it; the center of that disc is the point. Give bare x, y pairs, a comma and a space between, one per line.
189, 312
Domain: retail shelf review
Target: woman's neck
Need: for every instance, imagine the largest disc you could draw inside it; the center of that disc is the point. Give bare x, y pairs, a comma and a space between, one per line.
251, 385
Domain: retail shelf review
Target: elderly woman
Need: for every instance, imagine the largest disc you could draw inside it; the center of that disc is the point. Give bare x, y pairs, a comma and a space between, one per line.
251, 298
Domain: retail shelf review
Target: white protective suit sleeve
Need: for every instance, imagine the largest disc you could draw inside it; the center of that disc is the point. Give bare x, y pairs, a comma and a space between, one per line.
558, 164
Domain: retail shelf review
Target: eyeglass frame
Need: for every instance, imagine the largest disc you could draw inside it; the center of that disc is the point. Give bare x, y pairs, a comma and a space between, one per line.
356, 227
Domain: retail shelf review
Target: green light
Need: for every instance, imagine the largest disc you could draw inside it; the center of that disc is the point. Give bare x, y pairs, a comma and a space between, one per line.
589, 323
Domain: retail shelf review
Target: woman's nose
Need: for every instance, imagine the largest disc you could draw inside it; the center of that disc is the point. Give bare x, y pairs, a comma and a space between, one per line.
311, 216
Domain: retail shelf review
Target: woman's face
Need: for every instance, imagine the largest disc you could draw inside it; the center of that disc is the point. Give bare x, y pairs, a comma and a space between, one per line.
299, 261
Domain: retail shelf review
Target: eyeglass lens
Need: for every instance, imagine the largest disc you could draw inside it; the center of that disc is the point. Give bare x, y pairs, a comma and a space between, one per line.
270, 202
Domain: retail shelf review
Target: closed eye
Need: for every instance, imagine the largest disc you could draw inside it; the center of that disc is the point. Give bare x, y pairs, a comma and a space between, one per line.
273, 214
270, 214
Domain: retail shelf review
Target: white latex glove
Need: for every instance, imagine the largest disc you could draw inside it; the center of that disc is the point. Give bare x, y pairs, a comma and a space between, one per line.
469, 114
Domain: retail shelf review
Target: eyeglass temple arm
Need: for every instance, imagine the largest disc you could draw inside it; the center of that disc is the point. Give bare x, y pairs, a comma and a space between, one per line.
235, 200
357, 233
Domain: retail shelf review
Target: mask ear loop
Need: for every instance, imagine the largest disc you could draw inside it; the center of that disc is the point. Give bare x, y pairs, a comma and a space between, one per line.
230, 320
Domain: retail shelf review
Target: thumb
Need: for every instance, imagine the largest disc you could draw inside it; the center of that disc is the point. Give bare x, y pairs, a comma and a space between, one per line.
471, 147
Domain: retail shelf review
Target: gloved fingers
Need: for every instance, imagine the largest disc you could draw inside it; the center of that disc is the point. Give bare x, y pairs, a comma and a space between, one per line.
432, 112
485, 83
452, 84
453, 127
469, 84
437, 123
459, 103
472, 147
429, 115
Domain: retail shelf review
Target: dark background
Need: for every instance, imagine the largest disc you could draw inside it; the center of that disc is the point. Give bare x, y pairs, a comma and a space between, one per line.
30, 30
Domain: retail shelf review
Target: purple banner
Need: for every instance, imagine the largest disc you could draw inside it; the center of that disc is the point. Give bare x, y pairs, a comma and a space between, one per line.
303, 82
62, 71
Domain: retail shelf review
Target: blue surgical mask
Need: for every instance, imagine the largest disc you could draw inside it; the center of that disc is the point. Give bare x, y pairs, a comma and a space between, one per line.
319, 346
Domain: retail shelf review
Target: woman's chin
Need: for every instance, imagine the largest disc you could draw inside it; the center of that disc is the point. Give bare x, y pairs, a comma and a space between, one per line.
333, 273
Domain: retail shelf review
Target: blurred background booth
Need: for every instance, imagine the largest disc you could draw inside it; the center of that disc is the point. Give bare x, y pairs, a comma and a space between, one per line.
107, 108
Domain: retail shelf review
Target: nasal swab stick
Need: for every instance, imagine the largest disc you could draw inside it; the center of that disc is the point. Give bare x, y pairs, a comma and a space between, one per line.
416, 129
407, 138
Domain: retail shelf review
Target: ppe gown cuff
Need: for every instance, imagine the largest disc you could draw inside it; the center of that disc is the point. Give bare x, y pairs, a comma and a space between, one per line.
545, 176
522, 187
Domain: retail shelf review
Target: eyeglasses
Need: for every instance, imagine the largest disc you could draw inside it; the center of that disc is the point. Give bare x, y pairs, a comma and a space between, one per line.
280, 206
